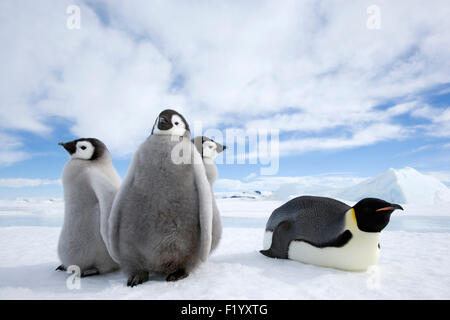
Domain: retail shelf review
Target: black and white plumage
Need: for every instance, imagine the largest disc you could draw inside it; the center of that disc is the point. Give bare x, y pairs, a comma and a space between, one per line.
327, 232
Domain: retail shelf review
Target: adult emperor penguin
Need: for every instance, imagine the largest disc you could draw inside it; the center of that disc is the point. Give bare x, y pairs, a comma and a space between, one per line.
327, 232
90, 183
161, 218
209, 149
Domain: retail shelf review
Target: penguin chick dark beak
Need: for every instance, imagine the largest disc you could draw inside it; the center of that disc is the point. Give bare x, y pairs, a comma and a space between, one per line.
69, 146
392, 207
163, 120
224, 147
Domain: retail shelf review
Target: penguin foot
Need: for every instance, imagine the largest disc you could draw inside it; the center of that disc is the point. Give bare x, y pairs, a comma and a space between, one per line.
137, 278
177, 275
89, 272
61, 268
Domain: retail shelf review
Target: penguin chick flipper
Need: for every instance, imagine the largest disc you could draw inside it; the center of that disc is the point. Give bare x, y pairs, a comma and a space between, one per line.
89, 272
61, 268
177, 275
137, 278
280, 241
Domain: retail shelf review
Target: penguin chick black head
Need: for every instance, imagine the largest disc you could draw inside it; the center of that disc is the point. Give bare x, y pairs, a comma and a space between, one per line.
170, 122
85, 148
207, 147
372, 215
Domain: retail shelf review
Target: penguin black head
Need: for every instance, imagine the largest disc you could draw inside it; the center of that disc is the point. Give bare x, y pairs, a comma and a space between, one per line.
85, 148
372, 215
170, 122
207, 147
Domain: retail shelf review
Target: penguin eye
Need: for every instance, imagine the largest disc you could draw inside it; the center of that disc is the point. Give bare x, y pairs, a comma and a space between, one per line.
177, 123
83, 147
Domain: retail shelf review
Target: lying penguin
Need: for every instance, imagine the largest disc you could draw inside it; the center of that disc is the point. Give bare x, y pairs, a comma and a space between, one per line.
327, 232
209, 149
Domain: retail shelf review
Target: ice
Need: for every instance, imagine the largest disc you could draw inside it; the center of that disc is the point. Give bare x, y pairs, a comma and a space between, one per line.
403, 186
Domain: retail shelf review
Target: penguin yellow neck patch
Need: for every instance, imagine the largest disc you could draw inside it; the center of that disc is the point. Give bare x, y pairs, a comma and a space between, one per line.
352, 212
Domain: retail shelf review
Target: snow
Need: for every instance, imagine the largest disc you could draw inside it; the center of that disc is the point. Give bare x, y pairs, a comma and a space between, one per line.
413, 265
403, 186
247, 208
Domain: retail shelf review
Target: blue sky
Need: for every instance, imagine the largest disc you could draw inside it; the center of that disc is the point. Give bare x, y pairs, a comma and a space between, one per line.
349, 101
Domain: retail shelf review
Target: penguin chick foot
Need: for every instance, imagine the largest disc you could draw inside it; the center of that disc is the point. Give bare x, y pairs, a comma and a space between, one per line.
61, 268
137, 278
89, 272
177, 275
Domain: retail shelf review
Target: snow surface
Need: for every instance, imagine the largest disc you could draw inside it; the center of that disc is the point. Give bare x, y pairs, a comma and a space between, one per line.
413, 265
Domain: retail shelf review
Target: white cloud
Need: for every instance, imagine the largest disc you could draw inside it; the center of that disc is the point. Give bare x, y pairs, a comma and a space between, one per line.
361, 137
10, 150
22, 182
440, 120
302, 66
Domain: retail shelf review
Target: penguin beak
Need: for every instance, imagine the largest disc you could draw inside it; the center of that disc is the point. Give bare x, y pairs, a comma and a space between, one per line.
392, 207
163, 120
164, 123
224, 147
69, 146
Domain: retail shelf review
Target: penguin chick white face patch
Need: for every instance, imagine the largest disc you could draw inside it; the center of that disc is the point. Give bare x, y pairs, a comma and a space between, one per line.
84, 150
178, 127
209, 149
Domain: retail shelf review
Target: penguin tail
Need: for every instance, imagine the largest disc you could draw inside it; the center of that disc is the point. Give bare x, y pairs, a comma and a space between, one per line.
268, 253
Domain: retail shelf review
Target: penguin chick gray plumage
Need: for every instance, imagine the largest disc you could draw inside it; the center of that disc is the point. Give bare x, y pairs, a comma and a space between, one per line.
209, 149
161, 218
90, 183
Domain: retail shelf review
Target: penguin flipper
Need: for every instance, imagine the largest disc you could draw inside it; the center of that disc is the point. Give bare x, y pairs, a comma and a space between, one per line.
205, 203
105, 191
280, 241
338, 242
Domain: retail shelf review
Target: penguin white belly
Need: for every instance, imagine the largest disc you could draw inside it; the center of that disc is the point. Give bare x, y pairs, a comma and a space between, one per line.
357, 255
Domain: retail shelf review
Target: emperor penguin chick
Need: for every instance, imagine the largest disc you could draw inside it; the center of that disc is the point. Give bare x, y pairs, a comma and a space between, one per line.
209, 149
90, 183
161, 219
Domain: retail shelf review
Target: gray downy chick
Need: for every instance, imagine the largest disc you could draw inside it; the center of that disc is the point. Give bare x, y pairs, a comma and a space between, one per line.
90, 183
161, 218
209, 149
